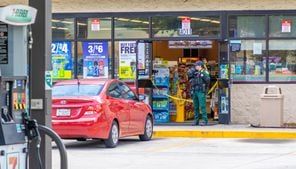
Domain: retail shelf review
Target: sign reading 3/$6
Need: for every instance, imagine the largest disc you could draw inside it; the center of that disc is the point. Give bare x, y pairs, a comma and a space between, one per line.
18, 15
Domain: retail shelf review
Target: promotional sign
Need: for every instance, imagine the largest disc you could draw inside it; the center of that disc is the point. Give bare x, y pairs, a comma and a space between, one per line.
257, 48
95, 25
127, 59
186, 27
95, 59
141, 56
3, 44
286, 25
224, 105
18, 15
223, 71
144, 60
61, 60
199, 44
235, 45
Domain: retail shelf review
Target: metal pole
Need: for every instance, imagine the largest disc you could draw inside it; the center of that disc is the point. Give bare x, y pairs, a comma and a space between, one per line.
41, 62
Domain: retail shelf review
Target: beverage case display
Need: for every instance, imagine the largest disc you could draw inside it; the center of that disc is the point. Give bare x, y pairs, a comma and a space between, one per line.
160, 93
160, 104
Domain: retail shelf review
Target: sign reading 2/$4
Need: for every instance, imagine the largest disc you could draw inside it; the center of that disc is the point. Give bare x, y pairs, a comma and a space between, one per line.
61, 60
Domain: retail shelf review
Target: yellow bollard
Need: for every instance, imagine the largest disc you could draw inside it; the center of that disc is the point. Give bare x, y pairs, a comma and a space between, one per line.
180, 111
180, 107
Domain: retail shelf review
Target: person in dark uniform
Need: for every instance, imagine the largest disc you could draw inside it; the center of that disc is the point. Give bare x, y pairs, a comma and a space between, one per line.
199, 79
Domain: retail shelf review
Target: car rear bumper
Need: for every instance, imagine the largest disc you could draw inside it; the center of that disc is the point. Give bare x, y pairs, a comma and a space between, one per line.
81, 128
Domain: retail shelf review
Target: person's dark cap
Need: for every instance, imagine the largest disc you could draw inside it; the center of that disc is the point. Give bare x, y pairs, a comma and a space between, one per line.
198, 63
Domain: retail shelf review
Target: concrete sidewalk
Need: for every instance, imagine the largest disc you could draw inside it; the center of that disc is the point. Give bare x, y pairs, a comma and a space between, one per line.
224, 131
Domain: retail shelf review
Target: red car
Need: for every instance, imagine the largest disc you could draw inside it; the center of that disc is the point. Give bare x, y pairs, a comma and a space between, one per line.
99, 109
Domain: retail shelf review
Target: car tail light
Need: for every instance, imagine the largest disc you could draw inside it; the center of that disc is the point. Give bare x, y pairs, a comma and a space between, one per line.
87, 113
91, 110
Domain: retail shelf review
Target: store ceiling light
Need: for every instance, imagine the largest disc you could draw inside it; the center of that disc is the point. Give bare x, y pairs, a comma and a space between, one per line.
67, 22
81, 24
55, 20
215, 22
206, 20
136, 21
145, 22
123, 19
196, 19
62, 28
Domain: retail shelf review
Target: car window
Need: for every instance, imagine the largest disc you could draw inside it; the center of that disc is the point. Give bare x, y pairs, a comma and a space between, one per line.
126, 92
76, 90
114, 90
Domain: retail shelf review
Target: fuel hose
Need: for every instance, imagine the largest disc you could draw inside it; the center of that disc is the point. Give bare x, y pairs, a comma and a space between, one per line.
56, 138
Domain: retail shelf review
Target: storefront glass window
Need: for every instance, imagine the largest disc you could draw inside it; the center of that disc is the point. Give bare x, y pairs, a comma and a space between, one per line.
248, 61
131, 28
63, 28
247, 26
94, 28
94, 59
282, 26
282, 60
186, 26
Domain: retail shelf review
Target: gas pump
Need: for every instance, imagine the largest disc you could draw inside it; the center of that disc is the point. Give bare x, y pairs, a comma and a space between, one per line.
13, 147
17, 130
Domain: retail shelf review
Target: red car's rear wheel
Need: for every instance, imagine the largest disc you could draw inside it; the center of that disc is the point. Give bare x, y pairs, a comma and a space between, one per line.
113, 138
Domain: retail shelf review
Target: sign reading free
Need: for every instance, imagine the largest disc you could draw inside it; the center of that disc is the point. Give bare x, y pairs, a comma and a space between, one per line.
18, 15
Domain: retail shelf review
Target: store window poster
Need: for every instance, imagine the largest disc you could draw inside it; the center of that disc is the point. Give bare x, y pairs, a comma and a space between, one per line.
127, 59
95, 59
257, 48
224, 71
61, 60
141, 56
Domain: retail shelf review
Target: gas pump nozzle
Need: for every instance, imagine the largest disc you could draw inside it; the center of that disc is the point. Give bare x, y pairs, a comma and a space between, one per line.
5, 117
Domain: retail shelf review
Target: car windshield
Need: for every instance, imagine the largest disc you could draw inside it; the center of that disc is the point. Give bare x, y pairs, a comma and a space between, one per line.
77, 90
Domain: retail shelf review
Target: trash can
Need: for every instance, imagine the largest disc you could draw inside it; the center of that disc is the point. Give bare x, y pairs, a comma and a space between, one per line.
272, 107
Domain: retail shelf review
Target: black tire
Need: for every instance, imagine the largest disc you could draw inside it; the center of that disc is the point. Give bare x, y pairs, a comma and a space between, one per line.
113, 138
148, 130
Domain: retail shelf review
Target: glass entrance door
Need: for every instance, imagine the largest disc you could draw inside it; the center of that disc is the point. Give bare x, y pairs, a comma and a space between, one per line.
144, 70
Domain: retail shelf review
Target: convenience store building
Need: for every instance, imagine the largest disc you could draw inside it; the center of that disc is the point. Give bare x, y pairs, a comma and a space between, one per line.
254, 40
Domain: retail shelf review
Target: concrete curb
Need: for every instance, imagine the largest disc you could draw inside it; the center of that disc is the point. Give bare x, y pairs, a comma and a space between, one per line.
225, 134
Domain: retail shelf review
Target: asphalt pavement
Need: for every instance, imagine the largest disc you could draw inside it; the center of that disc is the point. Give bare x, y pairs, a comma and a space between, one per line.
181, 153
